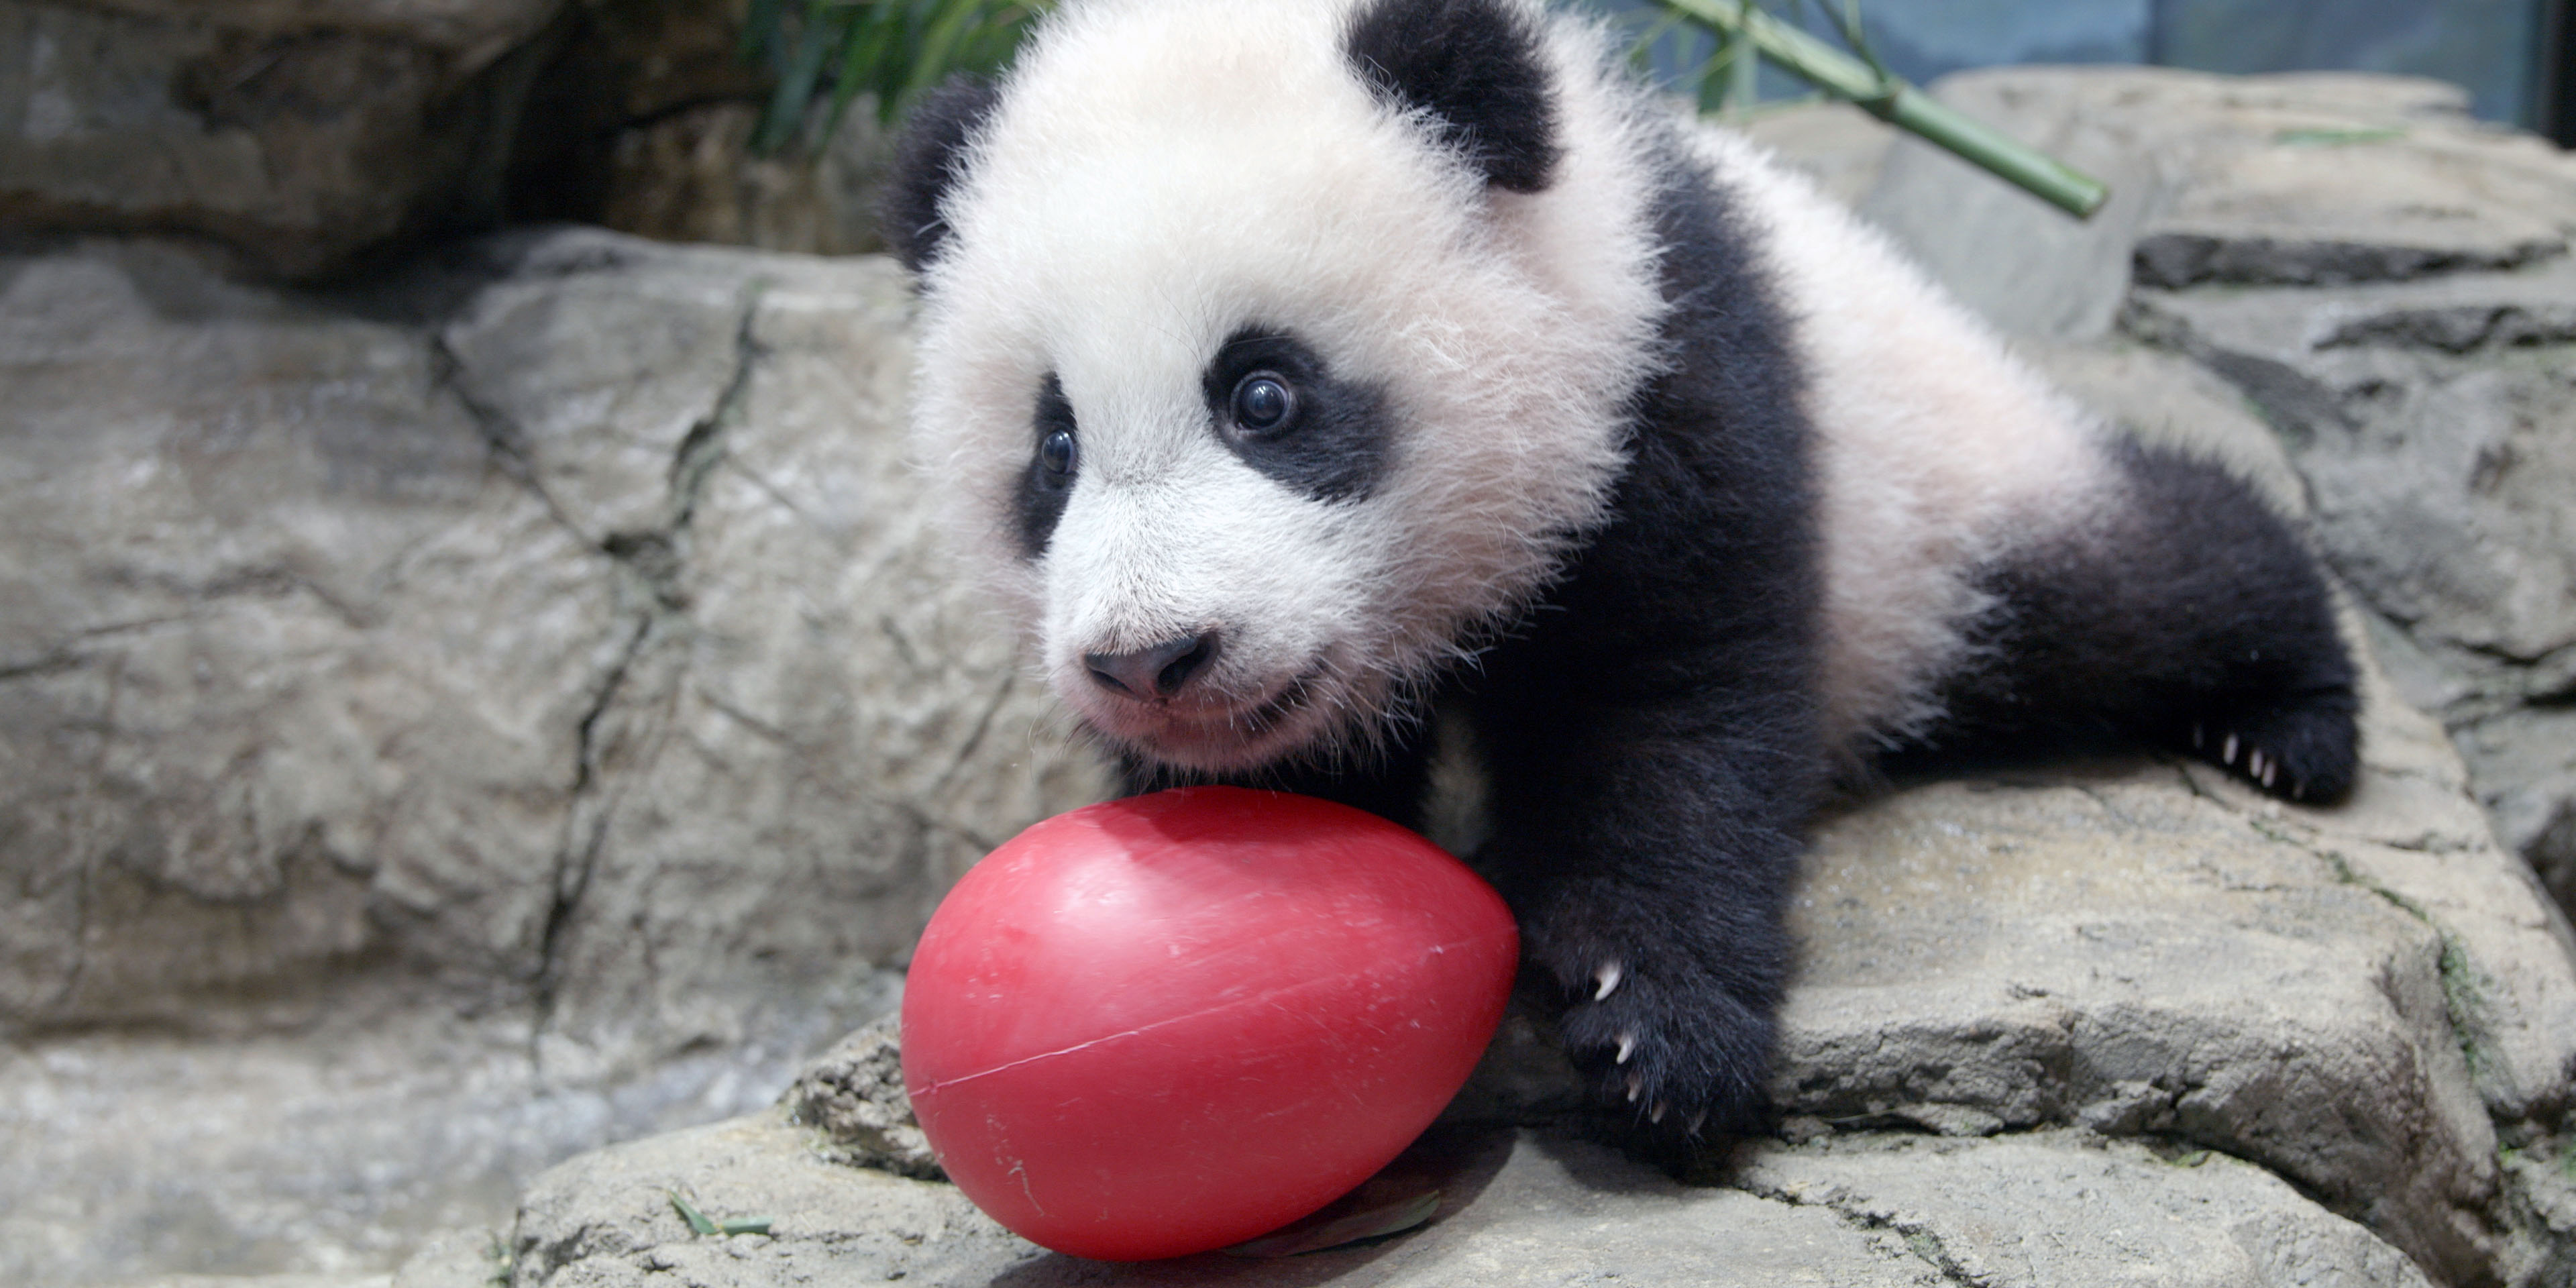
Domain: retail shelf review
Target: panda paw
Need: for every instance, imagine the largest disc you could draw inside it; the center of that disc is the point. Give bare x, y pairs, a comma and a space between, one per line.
2307, 753
1676, 1053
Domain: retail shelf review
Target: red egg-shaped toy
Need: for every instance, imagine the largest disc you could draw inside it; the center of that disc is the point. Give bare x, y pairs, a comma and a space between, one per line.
1174, 1022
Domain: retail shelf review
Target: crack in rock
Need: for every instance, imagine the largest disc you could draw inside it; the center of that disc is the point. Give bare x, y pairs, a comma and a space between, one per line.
656, 559
1918, 1236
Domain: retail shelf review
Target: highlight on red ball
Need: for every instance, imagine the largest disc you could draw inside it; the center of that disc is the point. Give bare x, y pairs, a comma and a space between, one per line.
1171, 1023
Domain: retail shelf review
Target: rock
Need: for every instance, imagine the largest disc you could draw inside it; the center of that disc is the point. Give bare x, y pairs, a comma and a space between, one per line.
854, 1095
2388, 281
2165, 399
261, 1281
643, 121
291, 134
2426, 418
2428, 421
474, 32
1518, 1207
692, 176
2312, 179
2155, 959
295, 674
478, 1258
516, 706
2072, 1208
335, 1136
2107, 1023
2025, 265
1838, 145
554, 644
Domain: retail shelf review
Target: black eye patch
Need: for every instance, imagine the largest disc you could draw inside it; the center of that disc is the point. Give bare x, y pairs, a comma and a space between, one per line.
1284, 413
1055, 460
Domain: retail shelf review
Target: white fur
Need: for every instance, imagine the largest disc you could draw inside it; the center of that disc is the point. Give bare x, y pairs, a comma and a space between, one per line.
1937, 452
1139, 196
1161, 173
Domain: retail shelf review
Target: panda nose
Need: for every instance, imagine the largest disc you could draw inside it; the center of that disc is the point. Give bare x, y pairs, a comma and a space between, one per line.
1156, 672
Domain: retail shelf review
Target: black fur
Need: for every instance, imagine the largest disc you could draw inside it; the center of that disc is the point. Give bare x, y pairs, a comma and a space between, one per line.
1652, 734
1471, 65
1039, 503
1392, 784
1334, 446
1650, 730
927, 163
2189, 617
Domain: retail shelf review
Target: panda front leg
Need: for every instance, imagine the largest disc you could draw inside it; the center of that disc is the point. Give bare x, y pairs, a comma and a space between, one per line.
1649, 854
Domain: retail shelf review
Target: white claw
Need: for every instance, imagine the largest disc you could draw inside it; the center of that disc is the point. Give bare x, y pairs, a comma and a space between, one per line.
1636, 1087
1656, 1114
2254, 763
1627, 1047
2298, 791
1608, 977
2270, 771
2228, 755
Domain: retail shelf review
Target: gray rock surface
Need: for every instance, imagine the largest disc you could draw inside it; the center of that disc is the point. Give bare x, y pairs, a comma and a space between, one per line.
642, 121
2094, 1024
260, 1281
291, 134
853, 1095
554, 643
2311, 178
691, 175
2431, 421
1521, 1207
2388, 281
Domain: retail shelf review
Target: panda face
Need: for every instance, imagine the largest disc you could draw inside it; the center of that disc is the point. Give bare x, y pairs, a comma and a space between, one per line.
1260, 405
1209, 558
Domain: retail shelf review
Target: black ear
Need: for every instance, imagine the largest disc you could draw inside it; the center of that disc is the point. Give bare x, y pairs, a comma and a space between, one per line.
929, 160
1473, 66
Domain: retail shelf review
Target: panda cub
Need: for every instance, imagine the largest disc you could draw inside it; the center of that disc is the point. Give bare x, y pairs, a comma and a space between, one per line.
1298, 368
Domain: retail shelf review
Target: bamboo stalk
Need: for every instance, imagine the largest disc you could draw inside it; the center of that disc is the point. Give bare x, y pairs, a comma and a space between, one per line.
1902, 105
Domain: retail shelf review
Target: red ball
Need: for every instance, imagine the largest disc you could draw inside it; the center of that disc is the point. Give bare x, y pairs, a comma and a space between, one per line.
1174, 1022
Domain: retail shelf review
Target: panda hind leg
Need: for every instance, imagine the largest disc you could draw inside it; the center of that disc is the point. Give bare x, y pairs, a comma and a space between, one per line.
2187, 614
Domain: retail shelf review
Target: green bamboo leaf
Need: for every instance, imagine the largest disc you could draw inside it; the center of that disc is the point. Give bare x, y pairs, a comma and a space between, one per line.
1744, 73
1892, 100
1642, 49
698, 1222
867, 64
784, 116
939, 47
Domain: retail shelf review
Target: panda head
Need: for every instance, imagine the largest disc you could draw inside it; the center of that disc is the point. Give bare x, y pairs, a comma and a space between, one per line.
1276, 354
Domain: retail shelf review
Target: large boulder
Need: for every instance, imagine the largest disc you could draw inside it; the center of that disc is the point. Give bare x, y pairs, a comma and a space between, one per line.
2388, 280
2119, 1022
508, 688
2124, 1023
2320, 179
2431, 421
643, 121
288, 134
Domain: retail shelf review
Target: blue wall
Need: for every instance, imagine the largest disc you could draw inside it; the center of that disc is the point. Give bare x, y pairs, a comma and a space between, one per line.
2490, 46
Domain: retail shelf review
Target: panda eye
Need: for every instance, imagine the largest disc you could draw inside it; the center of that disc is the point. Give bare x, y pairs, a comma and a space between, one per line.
1263, 402
1058, 453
